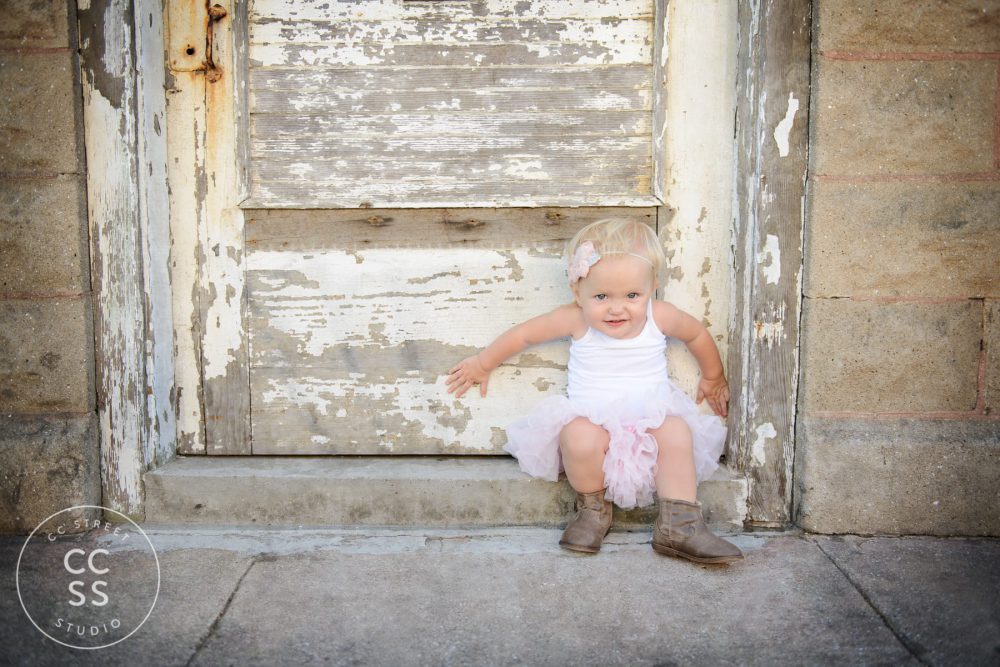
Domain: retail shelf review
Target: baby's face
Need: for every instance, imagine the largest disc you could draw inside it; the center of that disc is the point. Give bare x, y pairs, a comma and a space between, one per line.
615, 294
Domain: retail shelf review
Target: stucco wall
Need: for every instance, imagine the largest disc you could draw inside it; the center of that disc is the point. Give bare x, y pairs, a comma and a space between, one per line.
48, 442
897, 425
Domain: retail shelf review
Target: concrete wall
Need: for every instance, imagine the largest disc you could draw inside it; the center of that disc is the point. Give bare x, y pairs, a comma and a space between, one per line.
48, 430
898, 429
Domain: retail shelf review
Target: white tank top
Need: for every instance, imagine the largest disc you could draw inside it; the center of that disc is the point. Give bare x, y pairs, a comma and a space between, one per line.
603, 368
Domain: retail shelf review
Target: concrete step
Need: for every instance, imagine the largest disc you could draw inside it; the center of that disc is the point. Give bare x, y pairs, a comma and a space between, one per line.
452, 492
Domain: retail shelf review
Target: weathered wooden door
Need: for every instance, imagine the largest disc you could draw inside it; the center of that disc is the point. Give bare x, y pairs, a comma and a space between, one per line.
375, 189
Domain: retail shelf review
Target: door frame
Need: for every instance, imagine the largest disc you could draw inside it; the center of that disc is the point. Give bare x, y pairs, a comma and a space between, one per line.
150, 388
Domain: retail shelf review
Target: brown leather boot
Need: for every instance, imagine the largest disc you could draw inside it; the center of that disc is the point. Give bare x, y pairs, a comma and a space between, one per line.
587, 529
680, 531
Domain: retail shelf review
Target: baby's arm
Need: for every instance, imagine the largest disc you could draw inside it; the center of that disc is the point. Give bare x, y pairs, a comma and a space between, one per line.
476, 369
674, 322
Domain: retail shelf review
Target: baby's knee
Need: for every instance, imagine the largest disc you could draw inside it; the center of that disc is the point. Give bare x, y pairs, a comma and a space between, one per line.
673, 432
582, 435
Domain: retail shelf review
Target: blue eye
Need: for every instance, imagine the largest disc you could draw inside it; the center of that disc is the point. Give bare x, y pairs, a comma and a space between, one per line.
633, 295
600, 297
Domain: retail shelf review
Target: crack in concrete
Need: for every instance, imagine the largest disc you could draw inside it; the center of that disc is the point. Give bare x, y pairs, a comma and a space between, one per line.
218, 619
916, 650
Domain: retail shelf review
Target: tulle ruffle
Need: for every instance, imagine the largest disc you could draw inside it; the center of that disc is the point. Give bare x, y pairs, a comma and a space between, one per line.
630, 464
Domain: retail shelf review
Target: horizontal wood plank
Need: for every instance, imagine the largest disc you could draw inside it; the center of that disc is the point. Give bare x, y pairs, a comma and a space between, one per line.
320, 149
390, 101
346, 54
320, 412
594, 169
304, 128
294, 195
438, 30
452, 78
423, 228
458, 11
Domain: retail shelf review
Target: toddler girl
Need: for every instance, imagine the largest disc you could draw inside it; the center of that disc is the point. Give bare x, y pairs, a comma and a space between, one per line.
623, 431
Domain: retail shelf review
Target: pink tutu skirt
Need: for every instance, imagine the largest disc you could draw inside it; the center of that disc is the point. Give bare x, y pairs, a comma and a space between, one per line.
630, 464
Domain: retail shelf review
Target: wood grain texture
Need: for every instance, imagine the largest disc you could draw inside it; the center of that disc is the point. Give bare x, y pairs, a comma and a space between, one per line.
355, 317
226, 382
154, 217
475, 80
111, 116
186, 146
772, 122
403, 76
661, 51
475, 10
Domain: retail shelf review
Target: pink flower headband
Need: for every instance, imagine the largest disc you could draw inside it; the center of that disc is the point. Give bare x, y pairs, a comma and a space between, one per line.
586, 256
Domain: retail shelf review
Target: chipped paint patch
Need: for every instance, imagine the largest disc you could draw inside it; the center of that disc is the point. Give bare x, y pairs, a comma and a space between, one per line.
769, 260
407, 415
758, 451
528, 93
407, 294
770, 328
784, 127
222, 302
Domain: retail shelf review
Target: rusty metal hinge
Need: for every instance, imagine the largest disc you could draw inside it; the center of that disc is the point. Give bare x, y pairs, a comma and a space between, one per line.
191, 28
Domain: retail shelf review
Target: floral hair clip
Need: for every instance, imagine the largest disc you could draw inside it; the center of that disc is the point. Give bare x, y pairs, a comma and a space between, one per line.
584, 258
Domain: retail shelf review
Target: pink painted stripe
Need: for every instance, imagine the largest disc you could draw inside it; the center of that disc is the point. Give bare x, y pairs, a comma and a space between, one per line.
28, 176
981, 376
984, 176
874, 416
911, 55
39, 296
47, 416
996, 124
31, 50
913, 299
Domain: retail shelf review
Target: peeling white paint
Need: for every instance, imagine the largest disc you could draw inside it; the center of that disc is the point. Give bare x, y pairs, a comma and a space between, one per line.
121, 416
309, 398
769, 260
769, 328
784, 127
185, 145
303, 295
324, 10
700, 124
418, 54
527, 169
758, 451
224, 332
117, 41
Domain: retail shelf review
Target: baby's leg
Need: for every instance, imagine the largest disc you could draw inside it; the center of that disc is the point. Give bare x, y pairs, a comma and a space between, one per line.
583, 445
675, 476
680, 528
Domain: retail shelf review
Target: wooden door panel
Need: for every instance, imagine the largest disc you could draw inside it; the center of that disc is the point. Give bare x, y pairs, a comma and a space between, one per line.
355, 317
389, 103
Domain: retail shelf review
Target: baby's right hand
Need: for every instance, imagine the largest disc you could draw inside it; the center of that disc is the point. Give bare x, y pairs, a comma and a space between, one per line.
466, 373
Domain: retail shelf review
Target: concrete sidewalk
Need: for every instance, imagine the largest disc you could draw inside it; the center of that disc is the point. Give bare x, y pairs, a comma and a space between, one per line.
512, 596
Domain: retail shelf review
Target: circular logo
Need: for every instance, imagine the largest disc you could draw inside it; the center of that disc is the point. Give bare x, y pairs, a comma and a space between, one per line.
88, 589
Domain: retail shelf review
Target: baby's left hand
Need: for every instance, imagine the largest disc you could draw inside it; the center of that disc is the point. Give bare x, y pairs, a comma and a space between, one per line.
717, 392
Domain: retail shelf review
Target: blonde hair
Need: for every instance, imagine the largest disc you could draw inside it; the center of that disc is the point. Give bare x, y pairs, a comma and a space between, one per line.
620, 236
